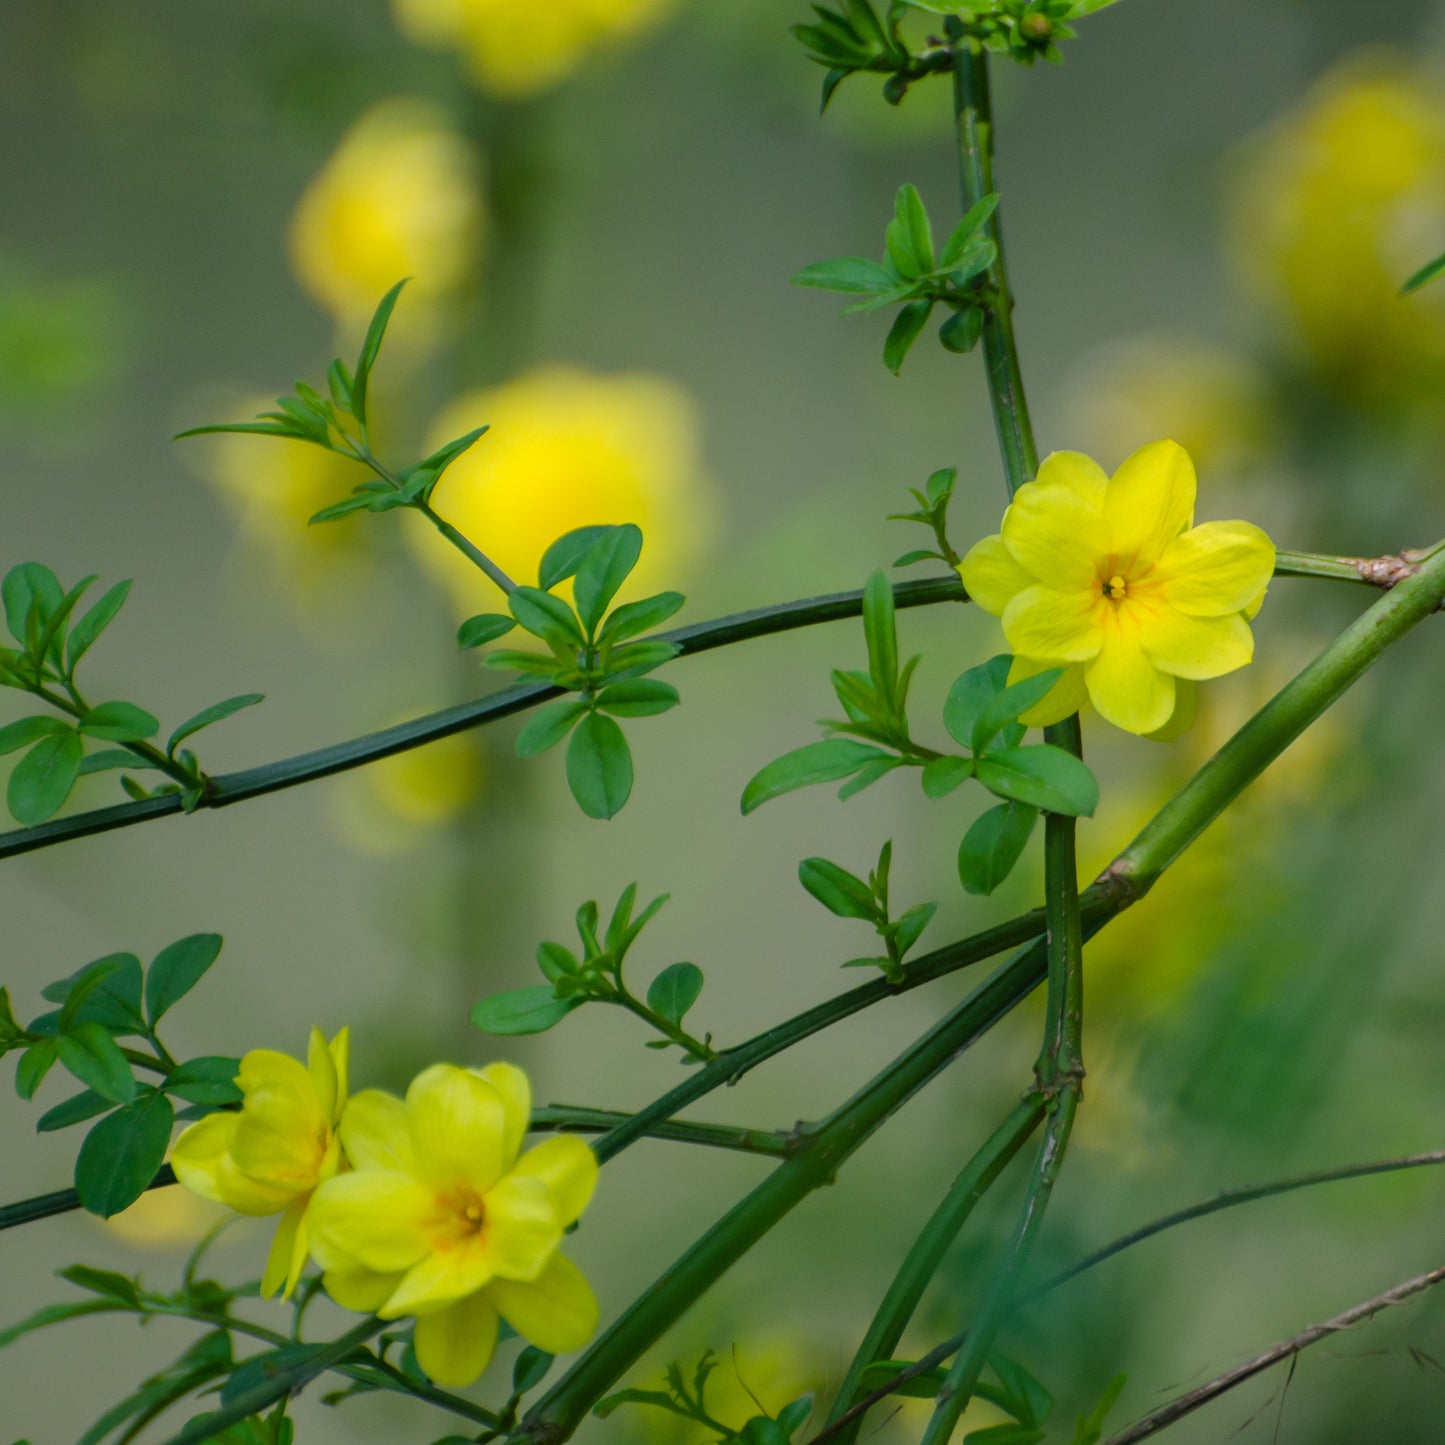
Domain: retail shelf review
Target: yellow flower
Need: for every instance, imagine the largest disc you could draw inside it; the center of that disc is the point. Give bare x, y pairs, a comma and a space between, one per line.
1109, 579
440, 1219
567, 449
270, 1157
398, 198
519, 47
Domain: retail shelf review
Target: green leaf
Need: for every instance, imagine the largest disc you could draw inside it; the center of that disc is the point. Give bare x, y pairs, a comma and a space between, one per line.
121, 1154
638, 697
275, 428
210, 1079
977, 257
919, 554
522, 1011
17, 735
213, 714
530, 1369
369, 349
556, 962
1029, 1400
102, 1282
675, 990
867, 776
604, 567
1005, 707
1088, 1429
636, 617
1046, 776
109, 760
100, 615
880, 630
1424, 275
885, 1372
974, 220
535, 664
565, 555
119, 722
74, 1110
545, 616
910, 236
485, 627
41, 781
599, 766
548, 726
94, 1057
33, 1066
30, 586
632, 659
823, 762
993, 845
910, 926
177, 969
106, 992
604, 1407
970, 694
344, 508
960, 333
430, 468
54, 1315
852, 274
906, 329
793, 1416
838, 890
942, 775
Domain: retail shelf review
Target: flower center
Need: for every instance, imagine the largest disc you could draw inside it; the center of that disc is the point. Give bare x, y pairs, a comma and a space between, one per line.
1116, 587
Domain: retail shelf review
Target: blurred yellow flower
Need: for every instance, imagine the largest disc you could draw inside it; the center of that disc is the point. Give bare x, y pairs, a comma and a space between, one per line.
164, 1219
441, 1219
400, 197
1342, 200
270, 1157
519, 47
1110, 579
567, 448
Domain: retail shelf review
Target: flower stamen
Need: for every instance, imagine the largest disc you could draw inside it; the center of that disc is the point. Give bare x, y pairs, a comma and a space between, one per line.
1117, 588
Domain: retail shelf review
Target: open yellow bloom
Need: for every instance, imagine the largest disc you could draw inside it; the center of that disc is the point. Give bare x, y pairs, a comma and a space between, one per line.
519, 47
441, 1219
1109, 579
270, 1157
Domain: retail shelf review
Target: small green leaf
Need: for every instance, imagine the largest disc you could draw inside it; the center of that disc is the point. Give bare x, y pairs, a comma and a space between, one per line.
960, 333
970, 694
838, 890
534, 664
1046, 776
852, 274
213, 714
33, 1066
556, 962
53, 1315
638, 697
977, 257
907, 327
121, 1154
119, 722
884, 1372
210, 1079
1029, 1400
106, 992
375, 333
823, 762
17, 735
561, 560
74, 1110
530, 1369
633, 659
177, 969
880, 631
90, 1053
545, 616
485, 627
434, 465
909, 235
1088, 1429
11, 1033
99, 616
1424, 275
522, 1011
29, 588
41, 781
920, 554
109, 760
633, 618
675, 990
548, 726
605, 566
993, 845
344, 508
974, 221
599, 766
867, 775
1006, 706
909, 927
942, 775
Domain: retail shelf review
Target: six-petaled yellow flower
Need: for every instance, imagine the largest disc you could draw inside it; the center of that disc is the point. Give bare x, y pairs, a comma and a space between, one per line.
441, 1219
1109, 579
270, 1157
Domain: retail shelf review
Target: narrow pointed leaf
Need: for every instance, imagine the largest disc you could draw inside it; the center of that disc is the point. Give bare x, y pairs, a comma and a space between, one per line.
823, 762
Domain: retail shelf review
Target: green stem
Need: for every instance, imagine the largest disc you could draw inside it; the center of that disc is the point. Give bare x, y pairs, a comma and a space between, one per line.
146, 753
466, 547
922, 1262
673, 1033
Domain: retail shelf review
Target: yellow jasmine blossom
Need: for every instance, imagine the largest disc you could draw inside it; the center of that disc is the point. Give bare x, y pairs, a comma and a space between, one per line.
1110, 579
270, 1157
567, 448
441, 1219
519, 47
400, 197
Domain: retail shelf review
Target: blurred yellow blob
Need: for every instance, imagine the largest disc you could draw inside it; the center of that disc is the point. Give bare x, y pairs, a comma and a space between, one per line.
516, 48
1341, 202
165, 1219
400, 197
567, 448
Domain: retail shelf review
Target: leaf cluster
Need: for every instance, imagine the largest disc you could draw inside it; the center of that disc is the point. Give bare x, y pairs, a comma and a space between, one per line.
597, 976
1024, 30
849, 896
916, 277
932, 513
41, 616
110, 999
853, 38
599, 654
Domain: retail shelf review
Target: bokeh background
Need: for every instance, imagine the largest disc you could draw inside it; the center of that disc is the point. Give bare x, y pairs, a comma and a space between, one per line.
1209, 210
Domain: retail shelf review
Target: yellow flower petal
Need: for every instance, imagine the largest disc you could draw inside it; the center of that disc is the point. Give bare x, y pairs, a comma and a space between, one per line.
1064, 626
1216, 568
458, 1128
376, 1220
1149, 501
516, 1095
281, 1136
454, 1345
557, 1311
287, 1256
441, 1279
568, 1168
1064, 699
322, 1068
1186, 704
203, 1163
361, 1290
522, 1229
991, 577
375, 1133
341, 1059
1056, 535
1079, 473
1126, 688
1194, 647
